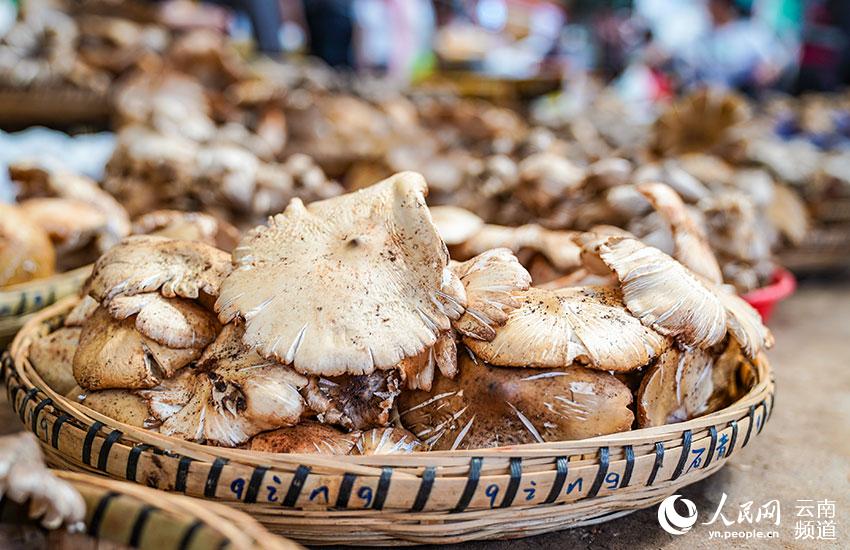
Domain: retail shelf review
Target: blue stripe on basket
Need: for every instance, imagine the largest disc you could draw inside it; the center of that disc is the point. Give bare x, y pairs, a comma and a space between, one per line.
254, 485
630, 466
683, 458
345, 488
30, 395
752, 415
182, 474
36, 412
133, 460
186, 539
471, 484
295, 485
734, 440
562, 466
383, 488
212, 477
513, 485
22, 304
57, 427
424, 489
103, 456
712, 431
600, 473
89, 440
139, 525
99, 512
659, 462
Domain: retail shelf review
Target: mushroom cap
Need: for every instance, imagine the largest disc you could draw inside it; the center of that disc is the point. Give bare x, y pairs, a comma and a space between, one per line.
173, 322
145, 263
80, 313
487, 406
491, 279
557, 246
455, 225
355, 402
307, 438
26, 252
386, 441
188, 226
359, 277
690, 243
661, 292
71, 224
417, 372
52, 357
745, 324
676, 388
112, 354
575, 325
121, 405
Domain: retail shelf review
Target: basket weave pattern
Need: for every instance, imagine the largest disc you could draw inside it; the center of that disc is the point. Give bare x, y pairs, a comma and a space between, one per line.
434, 497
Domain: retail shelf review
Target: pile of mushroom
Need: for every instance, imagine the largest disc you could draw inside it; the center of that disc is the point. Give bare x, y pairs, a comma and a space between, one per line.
344, 327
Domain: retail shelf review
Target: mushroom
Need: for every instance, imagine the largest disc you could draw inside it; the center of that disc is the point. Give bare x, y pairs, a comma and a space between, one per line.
25, 249
80, 313
571, 326
70, 224
676, 388
360, 277
188, 226
145, 263
455, 225
307, 438
173, 322
113, 354
417, 372
491, 279
52, 358
558, 247
386, 441
745, 324
690, 243
354, 402
487, 406
121, 405
546, 178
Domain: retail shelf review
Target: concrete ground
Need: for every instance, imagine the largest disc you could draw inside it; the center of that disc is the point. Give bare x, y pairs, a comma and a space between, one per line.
803, 453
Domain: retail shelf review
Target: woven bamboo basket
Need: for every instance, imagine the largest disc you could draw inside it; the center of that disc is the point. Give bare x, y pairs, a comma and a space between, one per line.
18, 302
436, 497
128, 515
52, 107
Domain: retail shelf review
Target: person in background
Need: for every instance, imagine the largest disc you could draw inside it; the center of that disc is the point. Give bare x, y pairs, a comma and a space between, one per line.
264, 16
330, 24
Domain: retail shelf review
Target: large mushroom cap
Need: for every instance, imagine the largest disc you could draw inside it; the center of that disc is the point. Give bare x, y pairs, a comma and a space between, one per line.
71, 224
455, 224
146, 263
343, 285
52, 358
574, 325
122, 405
661, 292
488, 406
173, 322
25, 249
491, 279
308, 438
677, 388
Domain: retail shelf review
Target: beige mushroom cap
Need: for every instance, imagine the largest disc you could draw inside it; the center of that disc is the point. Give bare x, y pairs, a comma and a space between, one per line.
455, 225
575, 325
418, 372
25, 249
344, 285
386, 441
745, 324
490, 406
690, 242
80, 313
52, 357
558, 247
188, 226
146, 263
307, 438
173, 322
71, 224
121, 405
661, 292
677, 388
491, 280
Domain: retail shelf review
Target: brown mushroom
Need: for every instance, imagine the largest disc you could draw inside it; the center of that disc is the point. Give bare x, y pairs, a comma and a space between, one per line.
173, 322
354, 402
487, 406
121, 405
676, 388
307, 438
71, 224
52, 357
417, 372
80, 313
25, 249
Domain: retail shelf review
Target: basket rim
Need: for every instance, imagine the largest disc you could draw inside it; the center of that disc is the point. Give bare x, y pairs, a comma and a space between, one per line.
366, 464
16, 289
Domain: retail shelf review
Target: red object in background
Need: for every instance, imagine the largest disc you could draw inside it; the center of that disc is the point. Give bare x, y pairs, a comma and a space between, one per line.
782, 285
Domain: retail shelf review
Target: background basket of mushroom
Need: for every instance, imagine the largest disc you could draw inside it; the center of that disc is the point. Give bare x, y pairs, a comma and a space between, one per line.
339, 369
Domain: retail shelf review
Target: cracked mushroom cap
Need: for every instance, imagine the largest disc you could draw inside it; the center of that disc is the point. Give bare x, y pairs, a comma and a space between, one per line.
455, 225
305, 438
587, 326
145, 263
491, 280
417, 372
71, 224
386, 441
660, 291
690, 243
234, 395
356, 402
188, 226
359, 277
113, 355
173, 322
52, 357
676, 388
26, 252
487, 406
